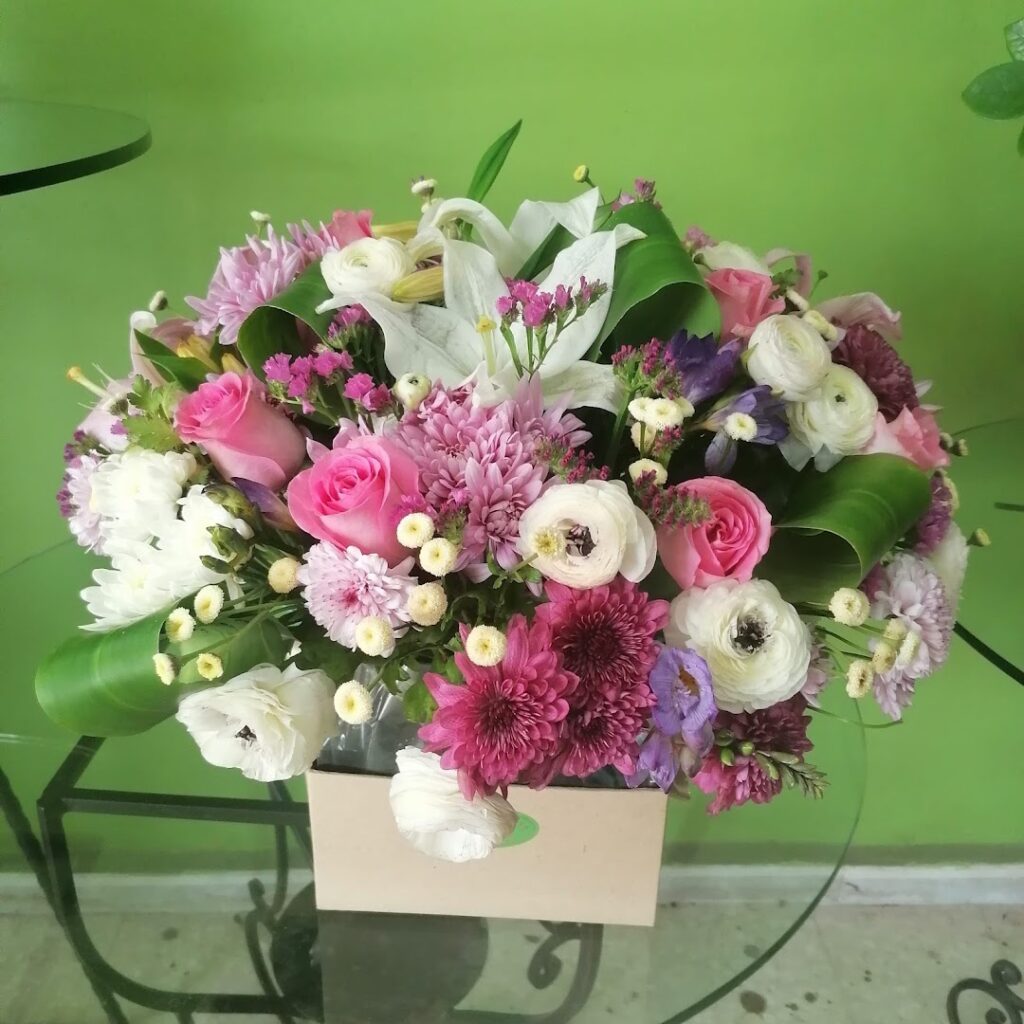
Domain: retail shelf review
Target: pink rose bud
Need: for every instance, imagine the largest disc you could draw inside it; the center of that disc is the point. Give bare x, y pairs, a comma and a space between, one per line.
244, 437
355, 494
744, 298
727, 545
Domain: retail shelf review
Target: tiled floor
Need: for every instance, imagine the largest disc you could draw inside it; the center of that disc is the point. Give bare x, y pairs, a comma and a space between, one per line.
847, 965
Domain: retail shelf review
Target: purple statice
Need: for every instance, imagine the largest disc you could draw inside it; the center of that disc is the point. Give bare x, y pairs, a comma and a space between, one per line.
754, 416
932, 526
537, 309
696, 238
706, 367
328, 363
876, 362
299, 377
362, 388
909, 589
644, 191
681, 731
246, 277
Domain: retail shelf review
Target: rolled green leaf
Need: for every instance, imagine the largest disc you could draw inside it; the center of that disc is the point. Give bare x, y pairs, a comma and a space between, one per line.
998, 92
491, 162
274, 326
837, 525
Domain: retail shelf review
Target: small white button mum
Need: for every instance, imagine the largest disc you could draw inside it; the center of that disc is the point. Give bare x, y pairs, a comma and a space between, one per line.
415, 529
180, 625
908, 647
209, 666
859, 678
438, 556
849, 606
642, 436
664, 413
644, 466
166, 670
427, 603
740, 426
883, 657
208, 603
485, 646
895, 631
640, 409
375, 637
353, 702
283, 575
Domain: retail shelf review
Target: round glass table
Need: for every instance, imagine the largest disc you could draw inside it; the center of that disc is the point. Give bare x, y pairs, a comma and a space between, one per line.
45, 143
144, 879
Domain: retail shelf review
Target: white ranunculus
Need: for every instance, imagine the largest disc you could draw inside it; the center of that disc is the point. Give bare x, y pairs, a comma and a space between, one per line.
729, 256
431, 812
836, 422
267, 723
756, 645
597, 531
949, 561
367, 266
788, 355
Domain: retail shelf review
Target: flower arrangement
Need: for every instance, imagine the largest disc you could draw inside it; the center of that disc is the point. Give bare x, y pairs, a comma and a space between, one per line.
585, 496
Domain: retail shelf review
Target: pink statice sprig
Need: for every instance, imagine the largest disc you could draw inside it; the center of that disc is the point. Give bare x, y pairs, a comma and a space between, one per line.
311, 383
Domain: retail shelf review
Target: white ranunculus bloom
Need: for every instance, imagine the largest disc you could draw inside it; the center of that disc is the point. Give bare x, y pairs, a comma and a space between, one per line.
584, 535
949, 561
729, 256
367, 266
267, 723
431, 812
756, 645
788, 355
836, 422
135, 493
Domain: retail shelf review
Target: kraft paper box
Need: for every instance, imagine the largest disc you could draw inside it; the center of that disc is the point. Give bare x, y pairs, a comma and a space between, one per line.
596, 857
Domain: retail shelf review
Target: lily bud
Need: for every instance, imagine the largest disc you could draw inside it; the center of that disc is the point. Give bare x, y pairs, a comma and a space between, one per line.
410, 389
420, 286
232, 499
230, 363
403, 230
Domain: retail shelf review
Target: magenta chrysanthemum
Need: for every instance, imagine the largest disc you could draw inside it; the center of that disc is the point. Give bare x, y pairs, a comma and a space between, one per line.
781, 728
343, 586
246, 277
504, 718
606, 637
875, 361
910, 590
932, 526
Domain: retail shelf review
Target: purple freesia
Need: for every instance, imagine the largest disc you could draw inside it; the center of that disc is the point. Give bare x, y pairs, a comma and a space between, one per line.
705, 366
682, 719
764, 422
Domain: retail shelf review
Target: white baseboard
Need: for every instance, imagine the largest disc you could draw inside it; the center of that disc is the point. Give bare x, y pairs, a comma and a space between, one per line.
227, 892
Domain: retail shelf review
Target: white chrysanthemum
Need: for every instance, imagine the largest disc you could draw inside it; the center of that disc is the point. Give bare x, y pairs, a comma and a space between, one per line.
604, 534
740, 426
166, 670
641, 467
756, 645
209, 666
180, 625
267, 723
438, 556
410, 389
850, 606
353, 702
788, 355
431, 812
840, 418
860, 677
414, 530
426, 604
485, 646
342, 587
949, 562
135, 493
375, 637
365, 267
283, 575
208, 603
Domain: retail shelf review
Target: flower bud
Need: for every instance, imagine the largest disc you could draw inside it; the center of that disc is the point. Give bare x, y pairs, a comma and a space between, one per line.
415, 529
849, 606
410, 389
158, 302
209, 666
179, 625
438, 556
283, 575
375, 637
353, 703
166, 670
420, 286
859, 678
581, 174
427, 604
485, 646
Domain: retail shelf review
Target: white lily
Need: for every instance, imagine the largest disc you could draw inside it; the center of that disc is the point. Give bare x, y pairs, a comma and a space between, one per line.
461, 341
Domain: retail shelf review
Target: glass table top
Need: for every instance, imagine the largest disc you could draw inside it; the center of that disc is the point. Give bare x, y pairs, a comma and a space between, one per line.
202, 917
46, 143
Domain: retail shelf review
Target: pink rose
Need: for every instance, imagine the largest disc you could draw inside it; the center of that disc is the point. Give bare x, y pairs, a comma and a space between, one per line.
727, 545
243, 436
353, 495
744, 297
914, 435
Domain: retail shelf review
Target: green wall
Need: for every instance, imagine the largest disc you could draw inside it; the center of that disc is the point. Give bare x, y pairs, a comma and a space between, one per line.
835, 129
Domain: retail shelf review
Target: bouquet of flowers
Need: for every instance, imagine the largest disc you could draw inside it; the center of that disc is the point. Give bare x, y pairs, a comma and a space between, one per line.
584, 495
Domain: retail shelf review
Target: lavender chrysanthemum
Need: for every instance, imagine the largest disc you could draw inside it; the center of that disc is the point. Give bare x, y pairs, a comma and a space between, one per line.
344, 586
246, 277
876, 362
910, 590
74, 499
499, 493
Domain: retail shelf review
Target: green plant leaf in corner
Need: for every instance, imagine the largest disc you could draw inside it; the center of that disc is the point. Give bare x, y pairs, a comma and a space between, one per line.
1014, 33
838, 524
998, 92
419, 702
1020, 142
491, 163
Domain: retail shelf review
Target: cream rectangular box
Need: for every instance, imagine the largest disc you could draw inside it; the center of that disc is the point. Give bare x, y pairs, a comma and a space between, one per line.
595, 859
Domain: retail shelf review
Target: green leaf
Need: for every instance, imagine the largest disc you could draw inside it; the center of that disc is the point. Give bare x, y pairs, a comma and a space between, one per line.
838, 524
150, 432
1014, 33
188, 372
320, 651
491, 163
419, 702
998, 92
1020, 142
104, 684
544, 255
658, 288
274, 327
